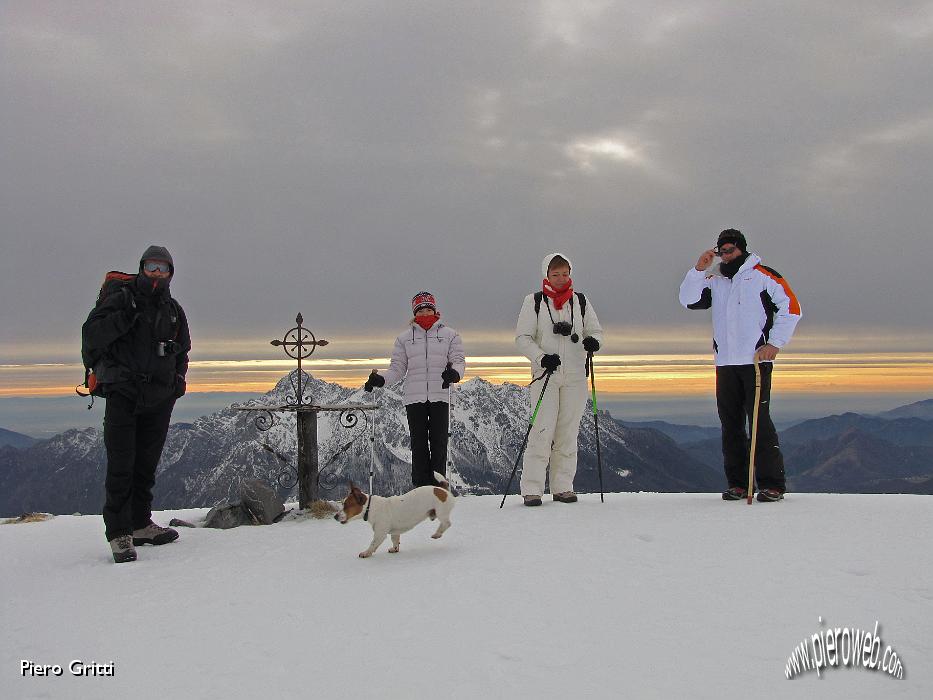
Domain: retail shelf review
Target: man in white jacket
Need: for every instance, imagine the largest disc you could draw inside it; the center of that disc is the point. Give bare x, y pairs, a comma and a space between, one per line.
755, 313
556, 329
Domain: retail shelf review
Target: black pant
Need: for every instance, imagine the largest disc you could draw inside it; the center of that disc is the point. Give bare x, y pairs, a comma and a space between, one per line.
427, 425
735, 399
134, 441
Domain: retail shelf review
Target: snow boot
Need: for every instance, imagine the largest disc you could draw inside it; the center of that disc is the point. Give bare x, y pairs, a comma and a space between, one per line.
770, 495
735, 493
122, 548
532, 500
565, 497
154, 534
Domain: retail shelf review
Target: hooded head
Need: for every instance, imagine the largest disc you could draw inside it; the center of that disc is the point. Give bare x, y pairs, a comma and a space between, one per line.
154, 285
554, 259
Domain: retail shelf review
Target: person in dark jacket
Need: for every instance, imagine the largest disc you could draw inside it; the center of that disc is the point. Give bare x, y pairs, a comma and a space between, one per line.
139, 335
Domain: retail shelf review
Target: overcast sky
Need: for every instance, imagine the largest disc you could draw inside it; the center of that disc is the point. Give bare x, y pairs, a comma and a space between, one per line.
336, 157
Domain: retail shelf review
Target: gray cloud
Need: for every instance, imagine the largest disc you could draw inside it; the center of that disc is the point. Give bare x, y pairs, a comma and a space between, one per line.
334, 158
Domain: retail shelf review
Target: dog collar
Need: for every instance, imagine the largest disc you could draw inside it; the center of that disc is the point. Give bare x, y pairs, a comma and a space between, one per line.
369, 501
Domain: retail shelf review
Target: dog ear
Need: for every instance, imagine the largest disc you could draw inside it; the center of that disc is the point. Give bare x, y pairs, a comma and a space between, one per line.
353, 487
360, 497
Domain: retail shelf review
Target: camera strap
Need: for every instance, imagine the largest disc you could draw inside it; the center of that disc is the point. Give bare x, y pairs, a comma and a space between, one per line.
550, 316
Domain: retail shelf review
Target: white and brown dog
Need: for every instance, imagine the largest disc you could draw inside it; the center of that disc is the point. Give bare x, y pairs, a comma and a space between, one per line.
398, 514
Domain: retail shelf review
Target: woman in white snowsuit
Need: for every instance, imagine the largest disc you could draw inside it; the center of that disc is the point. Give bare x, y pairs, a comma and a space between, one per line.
556, 329
429, 357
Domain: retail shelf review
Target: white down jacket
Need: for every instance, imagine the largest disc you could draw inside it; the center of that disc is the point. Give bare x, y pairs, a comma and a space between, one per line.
420, 356
755, 307
535, 337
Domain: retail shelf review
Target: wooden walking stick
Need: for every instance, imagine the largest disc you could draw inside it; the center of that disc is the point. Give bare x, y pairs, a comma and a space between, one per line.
754, 428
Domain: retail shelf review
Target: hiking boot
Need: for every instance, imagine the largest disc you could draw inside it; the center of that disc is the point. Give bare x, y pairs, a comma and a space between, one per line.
154, 534
565, 497
532, 500
770, 495
735, 493
122, 548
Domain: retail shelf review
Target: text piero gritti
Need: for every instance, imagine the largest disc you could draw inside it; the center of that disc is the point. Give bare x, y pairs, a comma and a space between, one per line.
76, 667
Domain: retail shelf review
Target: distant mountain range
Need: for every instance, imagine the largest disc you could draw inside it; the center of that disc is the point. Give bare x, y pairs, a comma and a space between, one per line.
920, 409
678, 433
204, 461
18, 440
848, 453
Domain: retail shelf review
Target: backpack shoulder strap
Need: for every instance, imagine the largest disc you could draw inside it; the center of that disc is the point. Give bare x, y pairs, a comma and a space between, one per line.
540, 295
582, 304
174, 316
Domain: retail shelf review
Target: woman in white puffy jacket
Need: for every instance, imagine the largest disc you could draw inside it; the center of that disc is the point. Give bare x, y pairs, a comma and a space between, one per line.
429, 357
556, 329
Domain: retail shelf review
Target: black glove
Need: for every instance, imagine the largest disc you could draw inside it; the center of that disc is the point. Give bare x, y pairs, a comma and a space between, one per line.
180, 386
375, 380
590, 344
450, 376
550, 362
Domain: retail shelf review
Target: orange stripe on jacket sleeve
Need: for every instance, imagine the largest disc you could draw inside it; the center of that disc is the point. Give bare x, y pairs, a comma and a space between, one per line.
794, 304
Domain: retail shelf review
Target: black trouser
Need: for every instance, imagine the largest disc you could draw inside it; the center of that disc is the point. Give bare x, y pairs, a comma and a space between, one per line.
735, 399
427, 425
134, 441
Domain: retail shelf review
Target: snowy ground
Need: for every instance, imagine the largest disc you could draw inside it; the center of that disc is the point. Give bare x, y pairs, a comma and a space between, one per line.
645, 596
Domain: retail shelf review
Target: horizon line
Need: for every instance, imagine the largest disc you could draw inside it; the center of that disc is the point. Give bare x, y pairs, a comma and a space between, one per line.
662, 374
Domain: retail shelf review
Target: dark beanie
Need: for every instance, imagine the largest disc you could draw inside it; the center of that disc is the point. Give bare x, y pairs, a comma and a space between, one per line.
734, 236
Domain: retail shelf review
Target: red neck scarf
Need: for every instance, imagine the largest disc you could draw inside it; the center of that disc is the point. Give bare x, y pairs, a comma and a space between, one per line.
427, 321
559, 298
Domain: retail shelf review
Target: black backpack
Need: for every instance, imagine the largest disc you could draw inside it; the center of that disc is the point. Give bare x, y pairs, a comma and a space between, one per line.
115, 282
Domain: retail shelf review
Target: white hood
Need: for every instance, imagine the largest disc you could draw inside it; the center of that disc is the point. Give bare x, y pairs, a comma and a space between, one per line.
547, 261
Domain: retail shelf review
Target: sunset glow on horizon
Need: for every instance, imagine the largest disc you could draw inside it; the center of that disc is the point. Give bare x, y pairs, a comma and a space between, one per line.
667, 375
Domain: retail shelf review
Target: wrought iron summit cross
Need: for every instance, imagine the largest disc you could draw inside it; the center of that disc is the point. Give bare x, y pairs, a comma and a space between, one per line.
299, 343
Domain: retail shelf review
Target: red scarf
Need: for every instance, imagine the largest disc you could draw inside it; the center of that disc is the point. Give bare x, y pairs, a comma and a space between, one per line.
427, 321
559, 298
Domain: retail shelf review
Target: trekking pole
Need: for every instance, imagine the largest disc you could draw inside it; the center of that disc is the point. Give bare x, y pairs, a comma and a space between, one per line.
547, 378
599, 453
372, 447
450, 411
754, 429
446, 385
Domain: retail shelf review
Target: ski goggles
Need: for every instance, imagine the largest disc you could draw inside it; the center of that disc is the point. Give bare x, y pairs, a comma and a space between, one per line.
728, 250
157, 266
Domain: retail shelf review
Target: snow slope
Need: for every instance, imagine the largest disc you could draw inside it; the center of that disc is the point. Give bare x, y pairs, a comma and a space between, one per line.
645, 596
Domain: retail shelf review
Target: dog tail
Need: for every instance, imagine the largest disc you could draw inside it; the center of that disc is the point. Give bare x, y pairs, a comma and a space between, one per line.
442, 482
